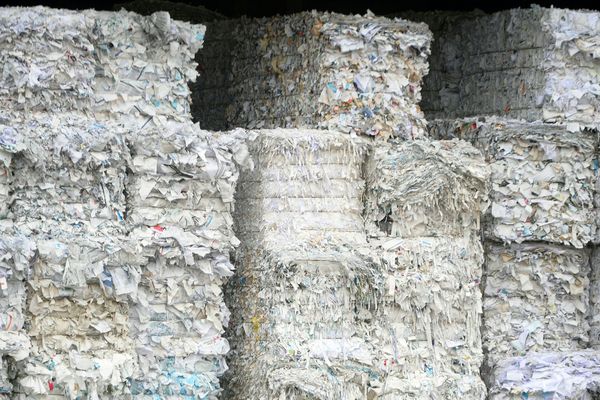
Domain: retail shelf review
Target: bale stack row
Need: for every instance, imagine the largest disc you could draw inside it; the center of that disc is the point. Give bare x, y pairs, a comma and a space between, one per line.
539, 65
80, 90
322, 309
295, 330
537, 270
422, 213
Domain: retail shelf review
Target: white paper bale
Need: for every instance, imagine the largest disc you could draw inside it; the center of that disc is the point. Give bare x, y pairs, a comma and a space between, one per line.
427, 327
543, 178
536, 298
97, 62
300, 319
555, 375
75, 319
425, 188
84, 163
306, 185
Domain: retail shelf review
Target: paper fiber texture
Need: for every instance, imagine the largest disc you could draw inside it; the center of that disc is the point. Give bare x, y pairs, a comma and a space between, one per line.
543, 178
425, 188
356, 74
536, 299
534, 64
553, 375
105, 64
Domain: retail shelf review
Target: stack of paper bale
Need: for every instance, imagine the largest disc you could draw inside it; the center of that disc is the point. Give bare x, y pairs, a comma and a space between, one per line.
537, 284
535, 64
297, 326
180, 203
75, 86
422, 213
358, 74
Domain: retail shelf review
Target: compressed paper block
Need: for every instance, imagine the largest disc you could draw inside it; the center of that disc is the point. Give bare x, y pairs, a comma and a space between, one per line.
536, 299
553, 375
386, 323
425, 188
535, 64
427, 327
305, 185
543, 178
107, 64
76, 321
294, 325
358, 74
83, 163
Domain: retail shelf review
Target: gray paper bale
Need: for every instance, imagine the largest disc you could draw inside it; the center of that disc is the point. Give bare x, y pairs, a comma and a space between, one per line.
358, 74
535, 64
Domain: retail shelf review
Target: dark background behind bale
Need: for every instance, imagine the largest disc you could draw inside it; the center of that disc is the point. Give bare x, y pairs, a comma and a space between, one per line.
236, 8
